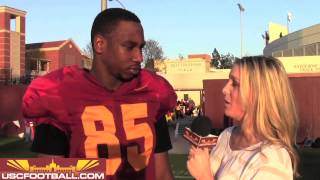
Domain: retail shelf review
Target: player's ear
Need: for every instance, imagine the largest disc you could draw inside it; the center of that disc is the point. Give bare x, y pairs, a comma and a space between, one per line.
99, 43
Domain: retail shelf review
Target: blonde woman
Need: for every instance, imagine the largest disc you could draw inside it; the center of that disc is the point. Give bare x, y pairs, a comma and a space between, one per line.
258, 97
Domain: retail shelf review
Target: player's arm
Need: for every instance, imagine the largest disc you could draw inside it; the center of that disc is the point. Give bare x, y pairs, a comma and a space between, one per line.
163, 170
163, 144
49, 141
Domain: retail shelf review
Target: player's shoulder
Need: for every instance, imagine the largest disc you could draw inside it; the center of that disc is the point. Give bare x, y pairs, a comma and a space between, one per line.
154, 80
55, 77
145, 73
62, 73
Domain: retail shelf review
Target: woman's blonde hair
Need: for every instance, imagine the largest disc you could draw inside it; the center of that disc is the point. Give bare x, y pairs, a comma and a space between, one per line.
267, 98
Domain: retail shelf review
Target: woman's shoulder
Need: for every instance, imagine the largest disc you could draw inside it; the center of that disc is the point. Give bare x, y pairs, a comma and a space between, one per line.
227, 132
272, 161
276, 154
223, 139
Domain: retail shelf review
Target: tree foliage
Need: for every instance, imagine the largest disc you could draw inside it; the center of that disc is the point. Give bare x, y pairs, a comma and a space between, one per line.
227, 61
215, 58
180, 56
152, 51
221, 61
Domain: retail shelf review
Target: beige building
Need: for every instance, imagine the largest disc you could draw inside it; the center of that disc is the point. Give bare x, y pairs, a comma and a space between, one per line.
299, 51
187, 75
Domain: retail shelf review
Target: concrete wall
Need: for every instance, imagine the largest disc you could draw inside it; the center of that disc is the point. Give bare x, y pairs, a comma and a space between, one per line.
301, 64
275, 30
296, 39
194, 80
192, 83
187, 66
183, 66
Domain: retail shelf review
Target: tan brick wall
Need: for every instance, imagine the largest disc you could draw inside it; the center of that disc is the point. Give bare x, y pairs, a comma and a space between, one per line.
4, 55
22, 55
15, 54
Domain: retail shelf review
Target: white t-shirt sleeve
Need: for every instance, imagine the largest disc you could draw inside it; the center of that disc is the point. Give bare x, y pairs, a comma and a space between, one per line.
219, 150
274, 163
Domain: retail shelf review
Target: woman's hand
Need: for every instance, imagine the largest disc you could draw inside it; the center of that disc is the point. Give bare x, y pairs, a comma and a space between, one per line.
198, 163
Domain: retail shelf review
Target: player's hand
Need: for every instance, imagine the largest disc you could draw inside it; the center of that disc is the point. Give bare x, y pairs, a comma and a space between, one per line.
198, 163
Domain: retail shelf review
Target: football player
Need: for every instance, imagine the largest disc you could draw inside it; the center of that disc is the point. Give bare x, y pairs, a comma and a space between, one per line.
114, 111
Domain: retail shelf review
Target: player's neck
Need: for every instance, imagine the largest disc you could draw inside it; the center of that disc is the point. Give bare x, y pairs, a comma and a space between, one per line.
105, 79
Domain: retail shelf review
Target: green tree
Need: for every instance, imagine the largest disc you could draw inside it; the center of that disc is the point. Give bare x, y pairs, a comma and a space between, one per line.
221, 61
215, 61
227, 61
180, 56
152, 51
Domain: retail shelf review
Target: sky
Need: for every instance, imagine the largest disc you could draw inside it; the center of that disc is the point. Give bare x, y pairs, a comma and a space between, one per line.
181, 27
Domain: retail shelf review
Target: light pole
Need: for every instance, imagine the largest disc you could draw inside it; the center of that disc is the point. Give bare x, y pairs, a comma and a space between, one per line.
241, 8
120, 4
289, 19
105, 6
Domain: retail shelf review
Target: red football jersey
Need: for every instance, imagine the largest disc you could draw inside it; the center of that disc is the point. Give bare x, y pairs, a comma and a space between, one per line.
119, 123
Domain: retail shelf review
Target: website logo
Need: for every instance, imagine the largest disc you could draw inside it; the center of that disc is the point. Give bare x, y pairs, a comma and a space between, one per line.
57, 168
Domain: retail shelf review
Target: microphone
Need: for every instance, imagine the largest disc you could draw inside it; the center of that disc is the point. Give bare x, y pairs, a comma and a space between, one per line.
199, 133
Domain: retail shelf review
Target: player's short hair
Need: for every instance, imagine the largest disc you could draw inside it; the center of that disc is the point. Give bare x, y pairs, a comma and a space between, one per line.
106, 21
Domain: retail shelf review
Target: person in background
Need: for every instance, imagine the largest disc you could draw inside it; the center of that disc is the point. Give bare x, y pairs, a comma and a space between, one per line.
258, 97
179, 110
190, 107
113, 111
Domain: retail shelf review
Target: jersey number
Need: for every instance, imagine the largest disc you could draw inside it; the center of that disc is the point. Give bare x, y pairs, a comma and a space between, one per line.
130, 112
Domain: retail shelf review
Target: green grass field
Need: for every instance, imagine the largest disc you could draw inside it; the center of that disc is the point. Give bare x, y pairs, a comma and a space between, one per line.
309, 159
15, 148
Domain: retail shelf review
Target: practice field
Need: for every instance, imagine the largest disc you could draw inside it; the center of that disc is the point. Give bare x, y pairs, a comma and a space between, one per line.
15, 148
309, 162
